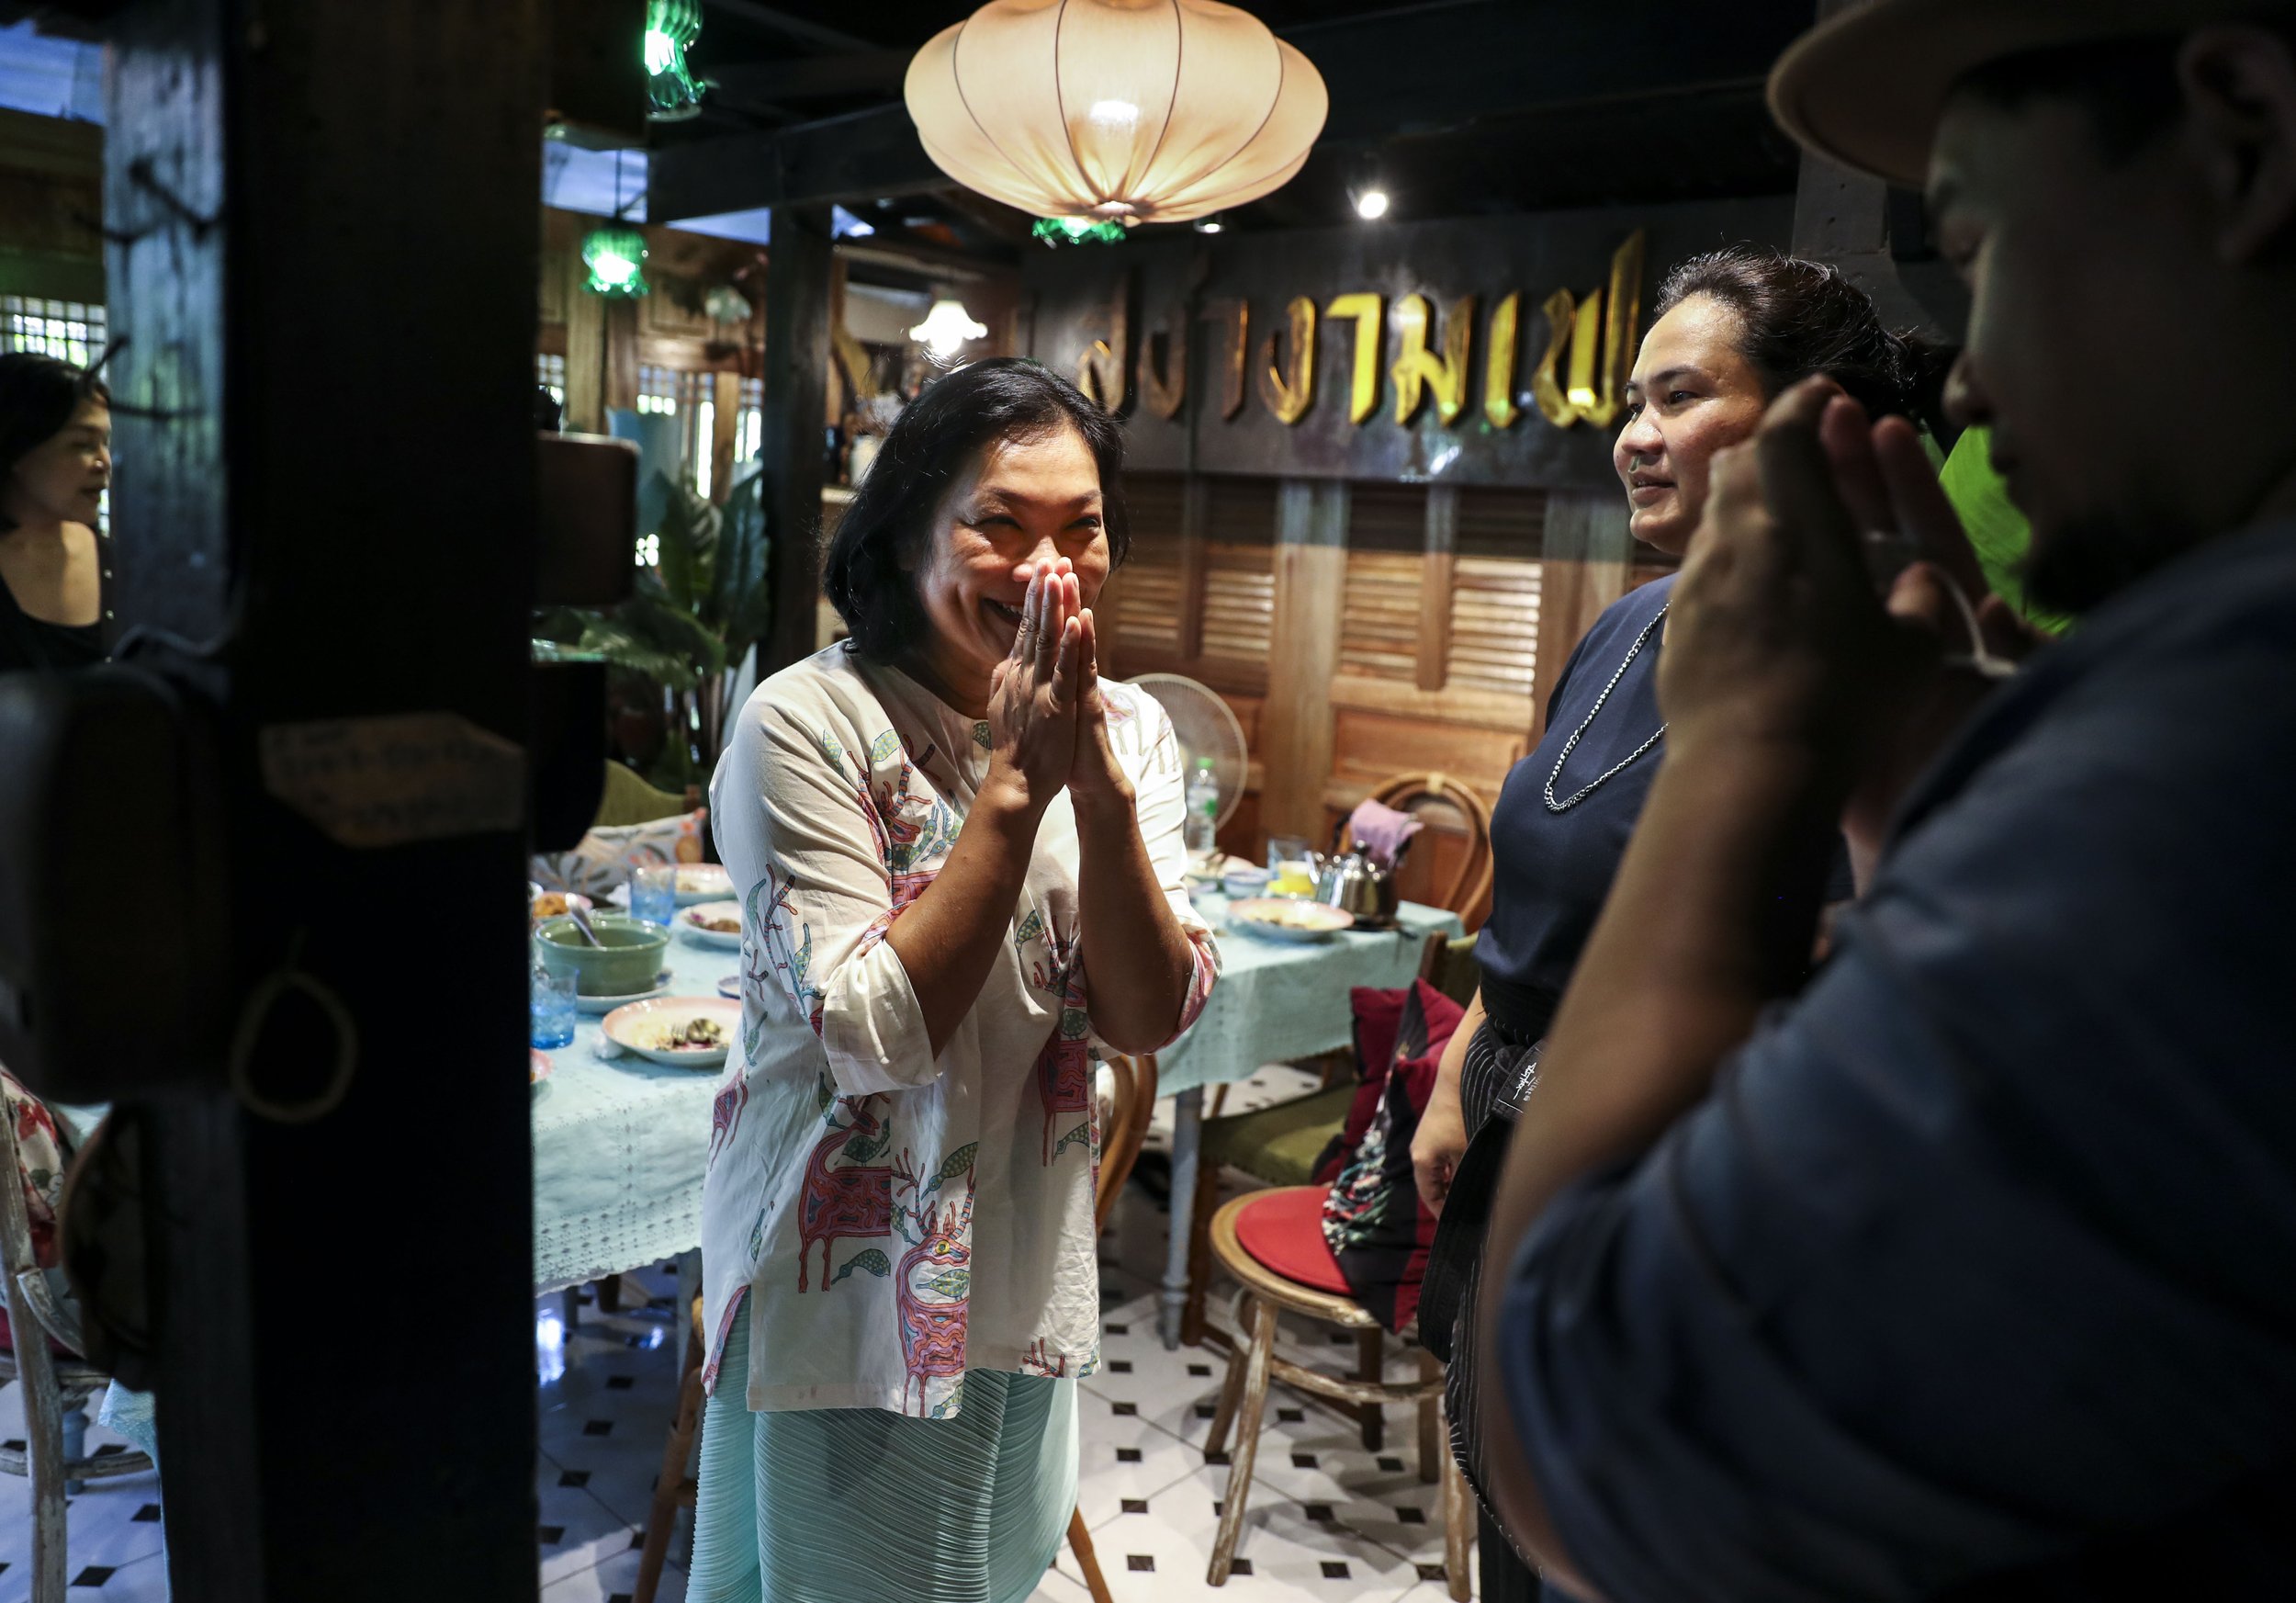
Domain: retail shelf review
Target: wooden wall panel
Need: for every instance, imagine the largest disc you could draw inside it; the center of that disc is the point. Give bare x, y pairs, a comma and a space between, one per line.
1363, 631
1587, 549
1311, 584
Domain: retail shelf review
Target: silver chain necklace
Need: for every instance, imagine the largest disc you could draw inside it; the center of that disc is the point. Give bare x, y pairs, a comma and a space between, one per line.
1571, 745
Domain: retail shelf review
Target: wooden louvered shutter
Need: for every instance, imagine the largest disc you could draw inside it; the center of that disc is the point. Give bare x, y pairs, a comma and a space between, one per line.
1495, 592
1239, 569
1149, 585
1387, 545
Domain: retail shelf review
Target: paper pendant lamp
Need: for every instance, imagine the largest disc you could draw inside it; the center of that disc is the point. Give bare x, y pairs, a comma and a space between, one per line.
1131, 110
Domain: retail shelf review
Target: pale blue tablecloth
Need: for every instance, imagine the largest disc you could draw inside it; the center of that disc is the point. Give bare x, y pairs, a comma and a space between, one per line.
1277, 1001
620, 1143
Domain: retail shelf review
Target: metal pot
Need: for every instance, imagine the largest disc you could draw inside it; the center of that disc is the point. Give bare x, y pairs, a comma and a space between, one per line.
1353, 884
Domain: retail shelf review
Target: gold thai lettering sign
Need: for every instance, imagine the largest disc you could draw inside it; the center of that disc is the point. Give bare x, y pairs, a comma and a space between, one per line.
1579, 376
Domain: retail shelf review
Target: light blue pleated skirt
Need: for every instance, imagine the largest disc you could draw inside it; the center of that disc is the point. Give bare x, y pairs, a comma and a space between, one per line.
863, 1505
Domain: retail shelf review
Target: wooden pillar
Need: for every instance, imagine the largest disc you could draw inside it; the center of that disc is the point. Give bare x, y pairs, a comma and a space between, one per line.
266, 173
796, 390
585, 351
1311, 590
725, 425
1435, 586
1585, 557
621, 366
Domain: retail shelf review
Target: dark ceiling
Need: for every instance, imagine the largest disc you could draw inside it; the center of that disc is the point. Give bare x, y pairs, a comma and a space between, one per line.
1457, 108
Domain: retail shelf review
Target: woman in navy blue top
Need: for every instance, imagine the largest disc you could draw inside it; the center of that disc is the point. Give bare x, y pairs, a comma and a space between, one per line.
1734, 328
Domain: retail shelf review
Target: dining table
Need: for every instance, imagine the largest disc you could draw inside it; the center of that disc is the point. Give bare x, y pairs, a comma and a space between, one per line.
620, 1142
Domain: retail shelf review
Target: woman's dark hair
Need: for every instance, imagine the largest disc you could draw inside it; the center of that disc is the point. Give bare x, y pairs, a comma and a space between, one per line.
38, 396
1006, 398
1804, 317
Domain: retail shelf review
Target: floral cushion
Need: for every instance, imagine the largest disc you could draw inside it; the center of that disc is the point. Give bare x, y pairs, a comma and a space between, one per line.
608, 855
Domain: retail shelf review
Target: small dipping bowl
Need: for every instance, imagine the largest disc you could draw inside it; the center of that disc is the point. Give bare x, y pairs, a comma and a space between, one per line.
1242, 884
623, 964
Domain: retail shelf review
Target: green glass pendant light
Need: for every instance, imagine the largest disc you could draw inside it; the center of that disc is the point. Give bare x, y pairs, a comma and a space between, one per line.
672, 27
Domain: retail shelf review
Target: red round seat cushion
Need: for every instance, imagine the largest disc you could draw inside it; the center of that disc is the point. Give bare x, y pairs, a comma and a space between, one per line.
1283, 1230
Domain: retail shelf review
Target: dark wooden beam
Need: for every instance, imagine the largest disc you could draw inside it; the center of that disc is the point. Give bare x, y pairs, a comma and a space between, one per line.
797, 294
860, 157
775, 20
1443, 66
807, 77
263, 174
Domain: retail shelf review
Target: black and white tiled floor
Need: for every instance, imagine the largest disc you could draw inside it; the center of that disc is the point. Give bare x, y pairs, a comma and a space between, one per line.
1328, 1519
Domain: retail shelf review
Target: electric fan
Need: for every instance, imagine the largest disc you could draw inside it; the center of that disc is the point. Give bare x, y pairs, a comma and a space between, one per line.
1205, 727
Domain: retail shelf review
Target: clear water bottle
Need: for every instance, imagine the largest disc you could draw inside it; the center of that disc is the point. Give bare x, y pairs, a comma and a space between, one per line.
1203, 809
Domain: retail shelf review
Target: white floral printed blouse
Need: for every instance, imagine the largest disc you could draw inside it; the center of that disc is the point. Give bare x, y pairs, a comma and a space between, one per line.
889, 1219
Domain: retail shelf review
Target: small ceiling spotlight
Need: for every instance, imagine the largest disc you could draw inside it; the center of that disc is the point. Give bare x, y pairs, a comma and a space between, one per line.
1207, 224
1371, 204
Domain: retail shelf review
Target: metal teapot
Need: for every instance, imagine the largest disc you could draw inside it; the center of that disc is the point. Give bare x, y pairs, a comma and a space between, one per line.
1355, 884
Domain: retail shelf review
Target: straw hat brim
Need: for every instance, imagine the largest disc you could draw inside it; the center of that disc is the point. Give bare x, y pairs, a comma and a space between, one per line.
1865, 88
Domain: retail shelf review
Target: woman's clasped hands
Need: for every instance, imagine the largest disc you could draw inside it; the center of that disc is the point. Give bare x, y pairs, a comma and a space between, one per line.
1047, 718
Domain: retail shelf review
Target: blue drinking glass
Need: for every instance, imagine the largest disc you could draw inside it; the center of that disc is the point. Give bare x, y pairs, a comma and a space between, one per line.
654, 893
551, 1001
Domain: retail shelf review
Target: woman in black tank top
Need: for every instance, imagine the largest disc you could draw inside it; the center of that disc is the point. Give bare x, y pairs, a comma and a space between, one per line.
55, 464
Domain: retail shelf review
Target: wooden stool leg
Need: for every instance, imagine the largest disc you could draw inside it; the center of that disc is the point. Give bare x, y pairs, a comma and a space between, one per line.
1080, 1543
1458, 1532
1435, 1449
1232, 1388
663, 1516
1263, 1351
1199, 1252
1371, 1368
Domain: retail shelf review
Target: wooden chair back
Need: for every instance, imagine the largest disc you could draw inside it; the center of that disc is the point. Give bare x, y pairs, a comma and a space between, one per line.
1445, 802
1133, 1107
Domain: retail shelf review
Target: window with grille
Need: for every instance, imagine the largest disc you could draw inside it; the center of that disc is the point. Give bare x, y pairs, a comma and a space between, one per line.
1239, 569
70, 330
658, 390
550, 373
1495, 590
1387, 545
1150, 586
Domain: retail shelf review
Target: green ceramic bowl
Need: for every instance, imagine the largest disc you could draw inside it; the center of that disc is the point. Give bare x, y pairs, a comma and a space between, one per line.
625, 967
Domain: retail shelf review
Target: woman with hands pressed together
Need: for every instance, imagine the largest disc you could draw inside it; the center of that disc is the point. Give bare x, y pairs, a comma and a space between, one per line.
960, 855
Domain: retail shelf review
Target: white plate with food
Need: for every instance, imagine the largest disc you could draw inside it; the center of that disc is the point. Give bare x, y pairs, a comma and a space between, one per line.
1282, 918
688, 1032
608, 1004
703, 882
554, 904
712, 923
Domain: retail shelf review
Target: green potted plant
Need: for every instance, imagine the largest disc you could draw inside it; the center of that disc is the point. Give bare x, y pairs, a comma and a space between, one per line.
702, 604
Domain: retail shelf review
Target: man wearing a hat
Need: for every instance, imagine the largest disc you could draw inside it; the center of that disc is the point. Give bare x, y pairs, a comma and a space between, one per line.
1970, 1271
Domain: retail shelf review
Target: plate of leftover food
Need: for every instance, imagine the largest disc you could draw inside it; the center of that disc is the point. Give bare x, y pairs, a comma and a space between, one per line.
687, 1032
712, 923
1280, 918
